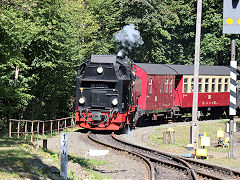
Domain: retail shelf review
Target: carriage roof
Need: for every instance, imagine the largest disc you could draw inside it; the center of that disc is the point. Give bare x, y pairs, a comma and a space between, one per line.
171, 69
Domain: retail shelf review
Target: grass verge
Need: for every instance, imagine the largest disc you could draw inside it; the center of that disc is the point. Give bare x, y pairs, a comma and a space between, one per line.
19, 159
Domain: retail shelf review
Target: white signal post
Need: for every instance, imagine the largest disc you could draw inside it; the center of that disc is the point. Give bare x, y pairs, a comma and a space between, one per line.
194, 123
233, 97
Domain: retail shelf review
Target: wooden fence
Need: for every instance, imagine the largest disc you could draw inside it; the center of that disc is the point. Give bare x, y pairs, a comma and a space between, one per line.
37, 127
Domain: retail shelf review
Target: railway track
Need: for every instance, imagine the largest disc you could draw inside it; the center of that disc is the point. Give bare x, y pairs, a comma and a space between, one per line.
177, 169
156, 161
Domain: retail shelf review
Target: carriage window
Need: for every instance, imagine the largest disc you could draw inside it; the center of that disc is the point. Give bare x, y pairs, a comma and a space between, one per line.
213, 84
150, 86
185, 88
192, 84
166, 85
200, 85
226, 85
219, 85
161, 88
170, 85
206, 84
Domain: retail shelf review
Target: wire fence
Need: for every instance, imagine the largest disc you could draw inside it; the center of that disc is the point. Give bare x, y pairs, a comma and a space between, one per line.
37, 128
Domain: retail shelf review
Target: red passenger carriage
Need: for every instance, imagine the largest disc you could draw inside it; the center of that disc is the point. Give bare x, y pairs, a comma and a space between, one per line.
167, 89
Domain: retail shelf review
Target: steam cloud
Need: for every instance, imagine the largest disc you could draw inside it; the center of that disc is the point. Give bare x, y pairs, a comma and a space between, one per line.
127, 39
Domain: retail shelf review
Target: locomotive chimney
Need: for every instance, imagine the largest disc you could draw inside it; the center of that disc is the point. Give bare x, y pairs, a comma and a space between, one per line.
121, 54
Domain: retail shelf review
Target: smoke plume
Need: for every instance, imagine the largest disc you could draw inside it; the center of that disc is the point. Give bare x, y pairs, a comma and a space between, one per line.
127, 39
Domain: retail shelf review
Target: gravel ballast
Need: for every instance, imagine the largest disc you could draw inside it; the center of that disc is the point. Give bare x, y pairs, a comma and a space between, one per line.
120, 165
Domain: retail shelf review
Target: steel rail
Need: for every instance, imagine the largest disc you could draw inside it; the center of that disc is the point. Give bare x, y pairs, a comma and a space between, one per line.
185, 167
149, 165
191, 162
213, 167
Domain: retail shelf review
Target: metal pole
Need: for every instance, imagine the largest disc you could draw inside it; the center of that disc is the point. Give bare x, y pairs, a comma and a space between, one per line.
232, 107
194, 124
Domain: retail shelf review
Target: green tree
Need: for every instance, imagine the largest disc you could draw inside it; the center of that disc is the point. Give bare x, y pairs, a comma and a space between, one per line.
107, 14
15, 33
46, 40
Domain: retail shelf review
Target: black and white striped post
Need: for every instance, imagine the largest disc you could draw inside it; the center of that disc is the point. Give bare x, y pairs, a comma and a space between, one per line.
231, 15
233, 96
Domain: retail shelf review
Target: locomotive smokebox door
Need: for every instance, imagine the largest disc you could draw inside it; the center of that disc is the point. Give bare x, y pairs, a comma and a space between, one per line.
96, 115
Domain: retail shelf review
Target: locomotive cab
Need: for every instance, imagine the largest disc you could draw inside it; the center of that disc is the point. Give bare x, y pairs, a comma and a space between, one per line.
102, 93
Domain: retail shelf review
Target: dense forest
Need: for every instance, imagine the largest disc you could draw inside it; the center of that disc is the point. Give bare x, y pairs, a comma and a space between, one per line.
42, 42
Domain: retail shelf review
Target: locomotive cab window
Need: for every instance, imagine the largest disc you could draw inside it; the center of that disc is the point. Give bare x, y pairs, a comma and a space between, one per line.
226, 85
185, 86
213, 85
150, 86
219, 84
166, 85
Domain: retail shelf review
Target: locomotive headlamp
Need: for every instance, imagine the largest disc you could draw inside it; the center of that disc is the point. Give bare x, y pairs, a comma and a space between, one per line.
82, 100
115, 101
100, 70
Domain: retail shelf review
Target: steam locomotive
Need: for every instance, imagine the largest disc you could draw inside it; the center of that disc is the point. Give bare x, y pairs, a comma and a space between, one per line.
103, 93
112, 92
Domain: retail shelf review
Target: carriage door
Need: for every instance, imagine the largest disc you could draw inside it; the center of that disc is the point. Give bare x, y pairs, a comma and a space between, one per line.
168, 91
171, 90
161, 91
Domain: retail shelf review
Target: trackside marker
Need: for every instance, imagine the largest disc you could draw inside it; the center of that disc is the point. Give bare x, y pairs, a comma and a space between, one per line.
64, 155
